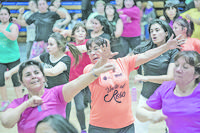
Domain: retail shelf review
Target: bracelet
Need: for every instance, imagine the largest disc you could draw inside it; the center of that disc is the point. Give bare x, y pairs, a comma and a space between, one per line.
94, 73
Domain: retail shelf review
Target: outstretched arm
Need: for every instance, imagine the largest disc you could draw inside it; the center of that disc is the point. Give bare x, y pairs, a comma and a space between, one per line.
72, 88
153, 53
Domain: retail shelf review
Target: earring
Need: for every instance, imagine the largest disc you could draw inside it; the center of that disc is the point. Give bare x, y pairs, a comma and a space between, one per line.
45, 84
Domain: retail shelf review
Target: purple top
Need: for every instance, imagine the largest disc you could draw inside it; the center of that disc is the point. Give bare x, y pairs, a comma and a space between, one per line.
53, 103
131, 29
172, 22
183, 112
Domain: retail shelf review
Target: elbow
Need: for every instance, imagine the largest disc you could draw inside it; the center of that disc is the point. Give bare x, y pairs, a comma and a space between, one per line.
6, 123
139, 116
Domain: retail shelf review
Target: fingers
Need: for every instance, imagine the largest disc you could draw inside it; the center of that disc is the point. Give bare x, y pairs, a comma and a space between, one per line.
171, 37
178, 37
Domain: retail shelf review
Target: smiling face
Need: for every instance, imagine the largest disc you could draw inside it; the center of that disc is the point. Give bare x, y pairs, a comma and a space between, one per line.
94, 52
158, 34
42, 6
33, 79
96, 25
79, 34
109, 10
184, 73
52, 46
171, 12
128, 3
4, 16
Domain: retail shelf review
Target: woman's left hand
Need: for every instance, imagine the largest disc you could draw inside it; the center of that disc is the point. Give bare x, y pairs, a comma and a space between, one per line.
139, 78
106, 53
176, 42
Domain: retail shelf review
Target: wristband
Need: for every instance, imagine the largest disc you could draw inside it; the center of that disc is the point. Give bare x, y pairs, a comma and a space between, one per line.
94, 74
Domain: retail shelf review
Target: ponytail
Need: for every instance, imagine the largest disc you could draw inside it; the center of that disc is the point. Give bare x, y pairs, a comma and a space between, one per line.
75, 52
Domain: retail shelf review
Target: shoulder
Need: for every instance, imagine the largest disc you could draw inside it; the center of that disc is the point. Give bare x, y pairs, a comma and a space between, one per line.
65, 58
166, 86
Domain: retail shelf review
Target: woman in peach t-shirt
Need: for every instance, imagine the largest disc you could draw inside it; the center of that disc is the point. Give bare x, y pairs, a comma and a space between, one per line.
185, 28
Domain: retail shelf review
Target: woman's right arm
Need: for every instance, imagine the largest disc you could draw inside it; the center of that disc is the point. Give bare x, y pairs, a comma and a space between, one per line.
119, 28
145, 113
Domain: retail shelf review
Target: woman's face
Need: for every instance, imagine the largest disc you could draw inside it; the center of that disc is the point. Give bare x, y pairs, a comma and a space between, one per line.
178, 29
119, 2
32, 78
44, 127
79, 34
32, 5
157, 33
129, 3
4, 16
52, 46
100, 8
94, 52
184, 73
42, 6
57, 3
171, 12
197, 3
109, 11
96, 25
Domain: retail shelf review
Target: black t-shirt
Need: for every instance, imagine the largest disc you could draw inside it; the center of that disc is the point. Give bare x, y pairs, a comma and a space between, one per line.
60, 79
155, 67
104, 35
44, 24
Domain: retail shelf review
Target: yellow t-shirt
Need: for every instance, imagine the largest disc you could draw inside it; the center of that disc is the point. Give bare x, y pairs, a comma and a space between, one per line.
194, 13
110, 95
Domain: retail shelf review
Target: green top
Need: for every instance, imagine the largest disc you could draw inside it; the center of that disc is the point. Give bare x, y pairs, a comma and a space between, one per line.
9, 50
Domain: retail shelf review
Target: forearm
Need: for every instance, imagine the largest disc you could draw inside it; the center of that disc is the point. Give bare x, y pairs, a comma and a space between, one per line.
143, 115
71, 89
158, 79
150, 54
10, 35
10, 117
61, 14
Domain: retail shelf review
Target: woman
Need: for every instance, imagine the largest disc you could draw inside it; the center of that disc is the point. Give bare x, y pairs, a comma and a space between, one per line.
41, 102
44, 21
185, 28
157, 70
194, 15
171, 13
61, 23
79, 33
119, 4
130, 15
117, 27
110, 94
10, 55
99, 6
55, 124
178, 99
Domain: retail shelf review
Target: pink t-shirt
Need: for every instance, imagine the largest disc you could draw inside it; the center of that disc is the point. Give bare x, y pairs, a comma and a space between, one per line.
183, 112
53, 103
131, 29
110, 95
76, 71
192, 44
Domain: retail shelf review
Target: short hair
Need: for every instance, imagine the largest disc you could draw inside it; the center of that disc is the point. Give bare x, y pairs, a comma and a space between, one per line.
97, 40
193, 59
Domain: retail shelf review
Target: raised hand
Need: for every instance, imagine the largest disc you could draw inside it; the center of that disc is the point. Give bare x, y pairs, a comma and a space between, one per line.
34, 101
21, 10
106, 53
176, 42
7, 75
106, 67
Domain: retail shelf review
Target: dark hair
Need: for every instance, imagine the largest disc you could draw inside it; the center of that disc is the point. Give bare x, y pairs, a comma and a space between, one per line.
52, 1
149, 45
106, 25
62, 42
26, 64
193, 59
58, 124
77, 25
184, 23
167, 6
40, 0
97, 40
8, 10
116, 15
133, 5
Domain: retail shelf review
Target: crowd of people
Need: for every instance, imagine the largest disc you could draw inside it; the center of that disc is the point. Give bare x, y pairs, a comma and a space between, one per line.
90, 62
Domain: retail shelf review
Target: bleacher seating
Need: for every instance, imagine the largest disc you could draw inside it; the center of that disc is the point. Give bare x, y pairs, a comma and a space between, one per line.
71, 6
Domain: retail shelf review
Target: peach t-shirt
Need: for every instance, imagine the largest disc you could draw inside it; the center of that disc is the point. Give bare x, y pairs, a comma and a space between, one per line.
191, 44
110, 95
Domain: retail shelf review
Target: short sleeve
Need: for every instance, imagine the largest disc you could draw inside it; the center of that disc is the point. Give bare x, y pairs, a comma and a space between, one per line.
55, 16
173, 53
66, 60
15, 103
43, 57
31, 19
155, 101
58, 92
